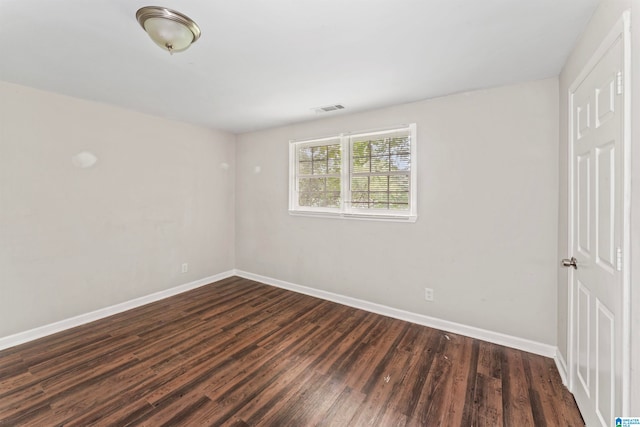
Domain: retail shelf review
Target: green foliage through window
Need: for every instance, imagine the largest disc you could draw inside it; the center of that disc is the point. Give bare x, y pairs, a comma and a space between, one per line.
366, 172
319, 169
380, 172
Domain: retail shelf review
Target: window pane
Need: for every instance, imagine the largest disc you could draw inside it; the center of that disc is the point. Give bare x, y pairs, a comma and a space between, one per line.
361, 164
332, 200
304, 199
399, 198
310, 199
320, 153
304, 168
334, 163
360, 183
304, 153
360, 197
360, 149
380, 164
379, 147
400, 145
318, 200
401, 162
311, 184
334, 152
334, 166
378, 156
333, 184
379, 197
379, 183
320, 190
320, 167
399, 183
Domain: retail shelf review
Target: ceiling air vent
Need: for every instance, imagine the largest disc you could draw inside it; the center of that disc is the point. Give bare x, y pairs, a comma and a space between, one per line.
329, 108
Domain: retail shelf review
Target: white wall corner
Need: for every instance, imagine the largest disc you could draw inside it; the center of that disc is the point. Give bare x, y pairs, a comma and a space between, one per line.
499, 338
72, 322
561, 364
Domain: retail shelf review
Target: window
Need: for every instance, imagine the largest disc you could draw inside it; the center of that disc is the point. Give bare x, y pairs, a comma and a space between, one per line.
368, 175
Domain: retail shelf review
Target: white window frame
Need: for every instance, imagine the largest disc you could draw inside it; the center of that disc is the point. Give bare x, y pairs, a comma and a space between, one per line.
346, 210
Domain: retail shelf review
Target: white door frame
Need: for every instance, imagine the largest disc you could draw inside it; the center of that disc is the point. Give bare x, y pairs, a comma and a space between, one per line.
622, 29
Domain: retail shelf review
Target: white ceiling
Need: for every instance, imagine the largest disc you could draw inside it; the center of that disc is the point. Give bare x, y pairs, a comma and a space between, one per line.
266, 63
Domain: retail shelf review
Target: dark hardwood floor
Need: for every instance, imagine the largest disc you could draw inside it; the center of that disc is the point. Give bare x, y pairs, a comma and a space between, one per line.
240, 353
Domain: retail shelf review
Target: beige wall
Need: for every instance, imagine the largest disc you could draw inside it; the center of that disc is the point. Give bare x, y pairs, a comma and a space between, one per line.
601, 23
74, 240
486, 234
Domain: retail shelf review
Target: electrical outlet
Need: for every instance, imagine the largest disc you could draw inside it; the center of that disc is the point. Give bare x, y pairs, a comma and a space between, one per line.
185, 267
428, 294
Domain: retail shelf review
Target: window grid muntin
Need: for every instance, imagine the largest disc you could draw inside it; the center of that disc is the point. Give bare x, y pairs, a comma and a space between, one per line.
346, 210
371, 150
319, 155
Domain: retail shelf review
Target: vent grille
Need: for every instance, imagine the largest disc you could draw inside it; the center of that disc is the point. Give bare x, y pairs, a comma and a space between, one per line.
329, 108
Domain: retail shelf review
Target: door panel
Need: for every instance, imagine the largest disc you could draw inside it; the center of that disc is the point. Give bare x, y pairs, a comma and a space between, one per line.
584, 119
605, 100
605, 206
597, 221
605, 364
583, 337
583, 214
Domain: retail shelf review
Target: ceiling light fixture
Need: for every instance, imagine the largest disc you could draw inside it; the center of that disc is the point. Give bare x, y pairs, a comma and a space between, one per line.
170, 30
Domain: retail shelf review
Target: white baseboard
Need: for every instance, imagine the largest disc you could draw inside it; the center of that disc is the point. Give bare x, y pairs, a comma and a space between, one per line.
561, 364
420, 319
42, 331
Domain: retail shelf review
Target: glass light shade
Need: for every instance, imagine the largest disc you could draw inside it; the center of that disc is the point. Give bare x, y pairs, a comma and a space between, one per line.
170, 30
169, 35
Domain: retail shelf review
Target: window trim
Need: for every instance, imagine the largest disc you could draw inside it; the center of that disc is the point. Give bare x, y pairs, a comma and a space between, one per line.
346, 210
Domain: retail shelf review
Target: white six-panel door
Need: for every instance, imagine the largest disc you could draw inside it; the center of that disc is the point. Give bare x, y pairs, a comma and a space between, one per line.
597, 146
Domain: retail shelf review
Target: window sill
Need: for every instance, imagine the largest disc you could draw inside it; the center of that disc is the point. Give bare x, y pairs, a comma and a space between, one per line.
357, 216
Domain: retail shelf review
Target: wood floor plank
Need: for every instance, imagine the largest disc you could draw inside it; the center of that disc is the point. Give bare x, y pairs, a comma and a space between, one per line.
14, 383
488, 401
431, 406
412, 394
489, 360
459, 351
383, 382
341, 348
284, 400
373, 357
22, 400
176, 412
113, 410
344, 408
323, 393
547, 386
516, 403
240, 353
12, 365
